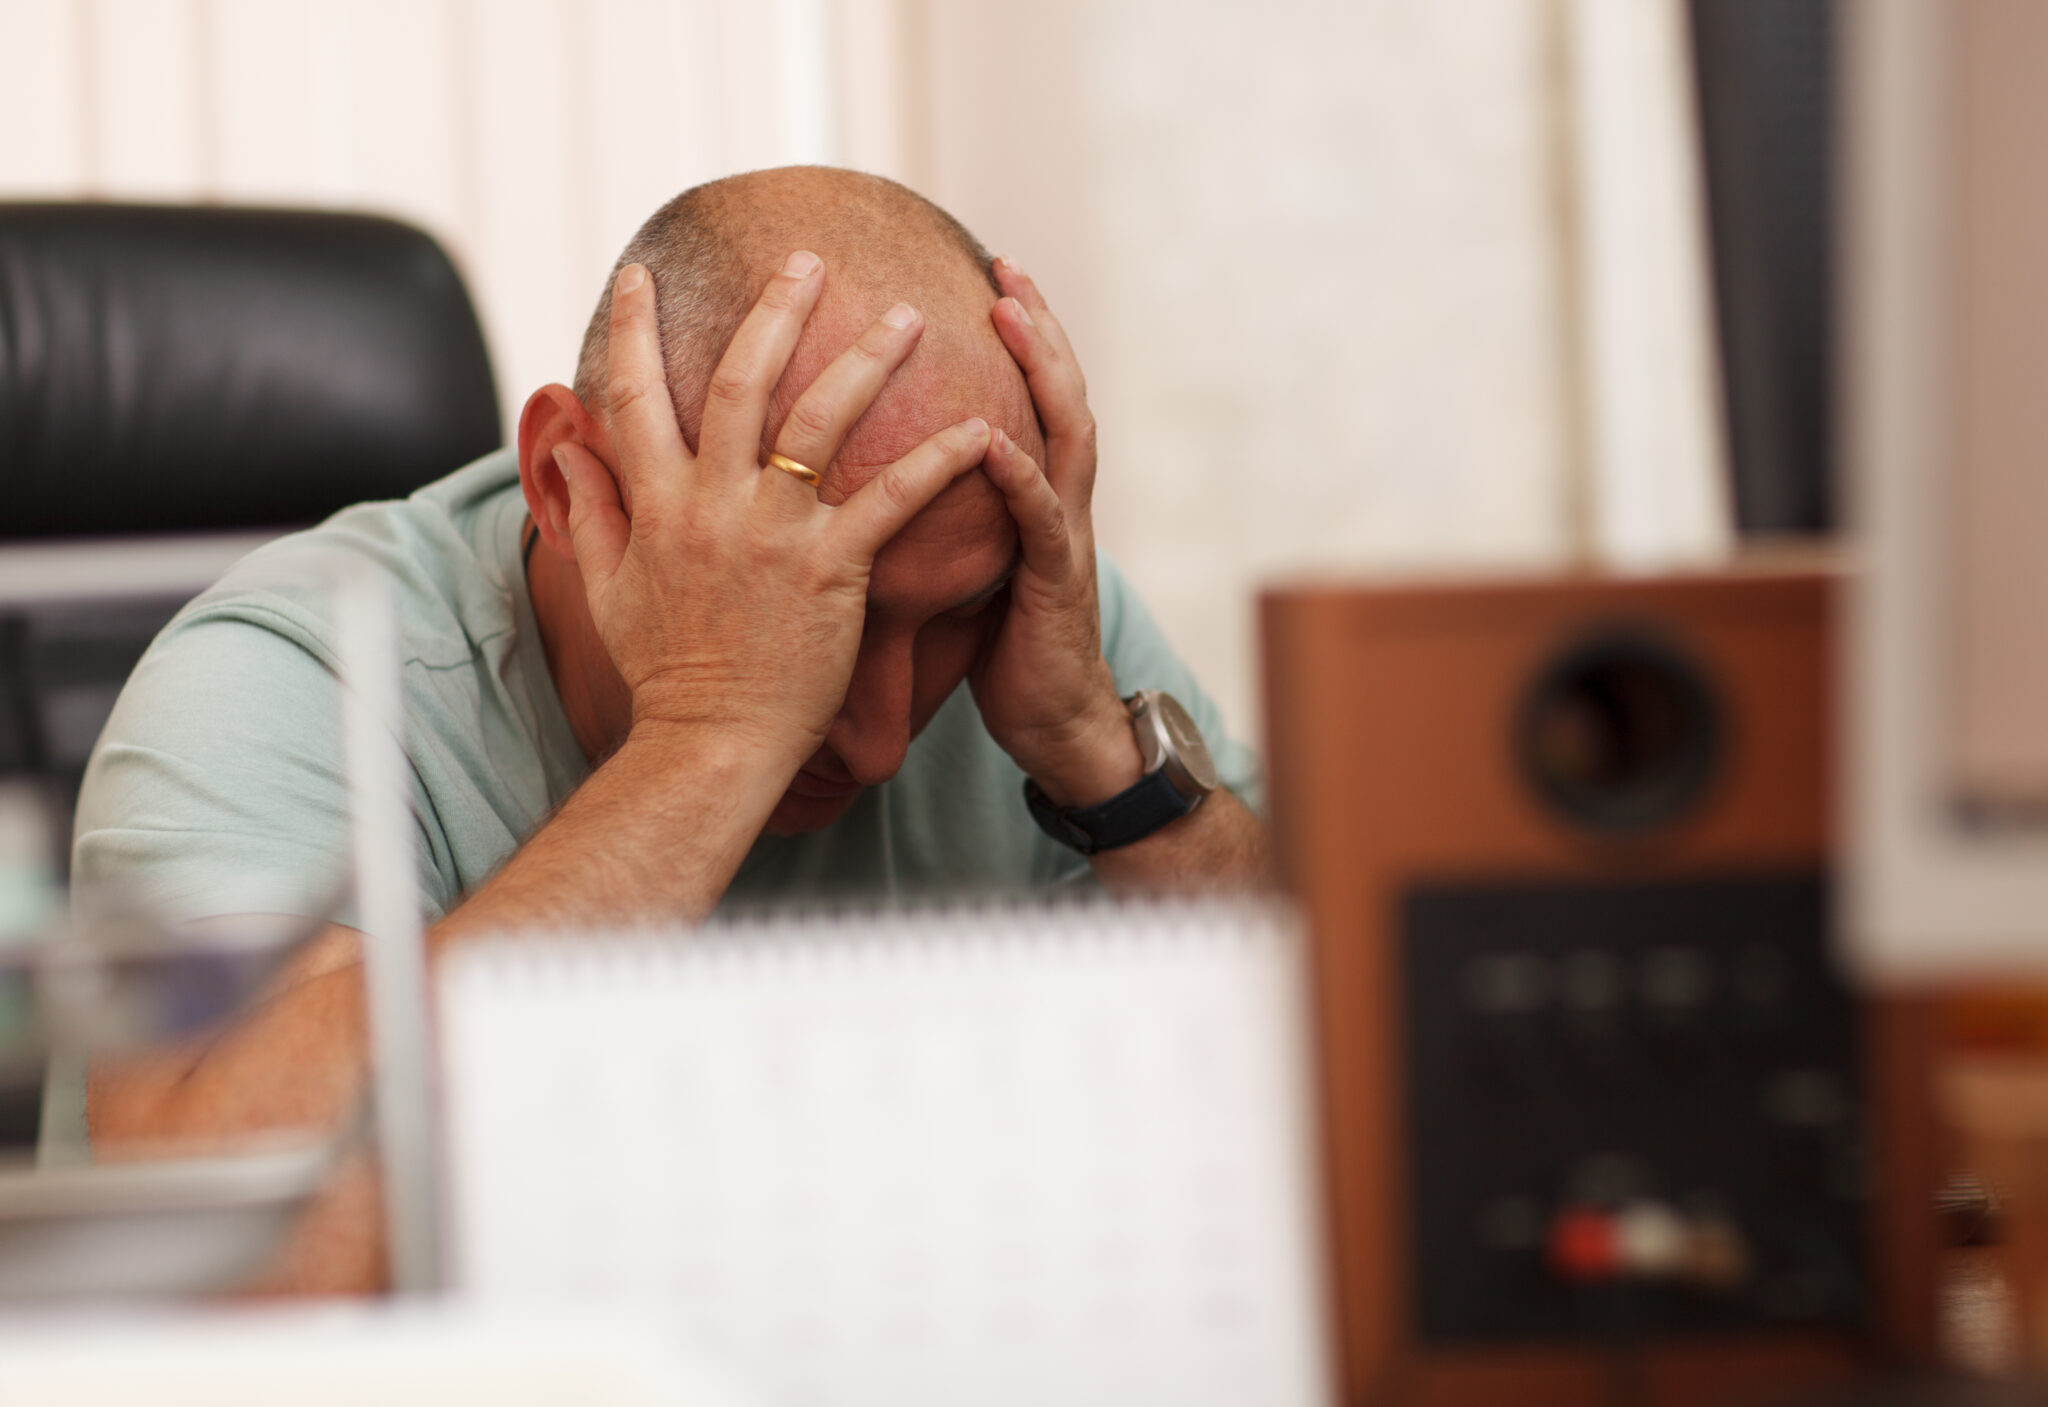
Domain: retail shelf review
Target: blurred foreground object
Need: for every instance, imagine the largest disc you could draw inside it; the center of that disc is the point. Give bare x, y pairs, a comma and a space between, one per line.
1030, 1156
182, 1222
30, 902
188, 1221
178, 385
202, 1223
1946, 432
347, 1357
1994, 1094
1599, 1108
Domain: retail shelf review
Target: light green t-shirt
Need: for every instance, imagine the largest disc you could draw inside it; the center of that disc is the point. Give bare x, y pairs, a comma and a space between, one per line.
218, 785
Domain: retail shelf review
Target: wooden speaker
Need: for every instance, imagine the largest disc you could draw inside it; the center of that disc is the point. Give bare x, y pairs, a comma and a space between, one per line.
1600, 1107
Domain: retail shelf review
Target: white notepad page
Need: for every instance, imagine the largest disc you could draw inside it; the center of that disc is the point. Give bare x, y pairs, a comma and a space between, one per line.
1028, 1156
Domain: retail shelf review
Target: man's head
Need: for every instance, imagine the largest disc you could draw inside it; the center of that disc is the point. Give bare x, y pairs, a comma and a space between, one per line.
934, 596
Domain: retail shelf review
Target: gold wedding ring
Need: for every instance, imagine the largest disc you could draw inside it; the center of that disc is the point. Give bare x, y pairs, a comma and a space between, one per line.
790, 466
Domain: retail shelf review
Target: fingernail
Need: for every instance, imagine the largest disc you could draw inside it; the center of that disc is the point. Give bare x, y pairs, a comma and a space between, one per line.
1023, 312
976, 426
800, 264
630, 278
561, 460
900, 316
1003, 439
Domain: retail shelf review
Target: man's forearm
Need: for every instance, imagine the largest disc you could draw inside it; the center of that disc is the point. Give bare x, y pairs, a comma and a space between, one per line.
655, 833
1219, 846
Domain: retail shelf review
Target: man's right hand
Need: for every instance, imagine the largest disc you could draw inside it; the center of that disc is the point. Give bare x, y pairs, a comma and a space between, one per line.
730, 598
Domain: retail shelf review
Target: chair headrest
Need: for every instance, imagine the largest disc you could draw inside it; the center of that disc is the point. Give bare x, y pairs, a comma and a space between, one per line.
169, 369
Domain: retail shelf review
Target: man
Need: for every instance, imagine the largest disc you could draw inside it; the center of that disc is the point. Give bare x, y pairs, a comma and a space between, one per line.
781, 518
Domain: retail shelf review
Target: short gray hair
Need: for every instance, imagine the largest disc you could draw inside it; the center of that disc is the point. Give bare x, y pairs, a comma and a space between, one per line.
700, 284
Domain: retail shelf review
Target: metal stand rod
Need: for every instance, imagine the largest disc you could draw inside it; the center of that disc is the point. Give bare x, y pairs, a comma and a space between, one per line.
388, 908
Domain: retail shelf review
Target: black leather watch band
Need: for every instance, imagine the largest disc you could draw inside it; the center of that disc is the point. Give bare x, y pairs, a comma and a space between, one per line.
1130, 815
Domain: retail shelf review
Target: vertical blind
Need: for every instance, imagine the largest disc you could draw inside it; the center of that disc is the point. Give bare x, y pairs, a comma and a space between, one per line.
530, 136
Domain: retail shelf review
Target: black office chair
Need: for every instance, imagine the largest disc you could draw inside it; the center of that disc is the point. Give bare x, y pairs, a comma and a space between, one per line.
188, 381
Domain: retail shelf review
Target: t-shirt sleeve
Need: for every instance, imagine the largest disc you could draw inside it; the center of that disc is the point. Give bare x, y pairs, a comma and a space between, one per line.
219, 785
1140, 658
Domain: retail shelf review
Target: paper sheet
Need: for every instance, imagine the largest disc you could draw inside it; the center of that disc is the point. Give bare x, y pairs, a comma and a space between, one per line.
964, 1158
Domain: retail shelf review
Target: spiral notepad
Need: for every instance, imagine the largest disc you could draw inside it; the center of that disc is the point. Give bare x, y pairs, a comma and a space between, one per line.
981, 1157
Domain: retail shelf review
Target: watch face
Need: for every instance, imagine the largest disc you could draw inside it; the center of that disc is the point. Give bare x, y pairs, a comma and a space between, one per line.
1186, 740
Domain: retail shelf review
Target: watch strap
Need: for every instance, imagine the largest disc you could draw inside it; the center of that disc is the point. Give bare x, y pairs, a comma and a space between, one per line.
1130, 815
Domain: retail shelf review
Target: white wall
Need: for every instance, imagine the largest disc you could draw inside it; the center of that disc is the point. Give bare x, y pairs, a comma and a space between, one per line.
1310, 253
1309, 250
531, 136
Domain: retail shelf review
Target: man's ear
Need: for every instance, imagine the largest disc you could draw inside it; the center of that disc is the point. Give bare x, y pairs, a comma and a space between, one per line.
553, 416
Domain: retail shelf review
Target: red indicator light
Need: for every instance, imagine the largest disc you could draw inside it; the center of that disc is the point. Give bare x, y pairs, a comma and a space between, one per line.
1583, 1245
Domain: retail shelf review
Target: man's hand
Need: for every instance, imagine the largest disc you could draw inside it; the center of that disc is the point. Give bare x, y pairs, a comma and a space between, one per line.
1043, 687
730, 599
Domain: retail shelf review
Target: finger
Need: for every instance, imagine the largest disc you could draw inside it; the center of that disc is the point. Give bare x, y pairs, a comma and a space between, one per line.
1042, 523
1019, 285
1058, 392
736, 402
598, 527
877, 510
637, 409
816, 425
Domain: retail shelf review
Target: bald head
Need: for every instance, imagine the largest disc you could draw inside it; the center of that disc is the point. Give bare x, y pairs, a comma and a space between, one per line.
713, 249
935, 590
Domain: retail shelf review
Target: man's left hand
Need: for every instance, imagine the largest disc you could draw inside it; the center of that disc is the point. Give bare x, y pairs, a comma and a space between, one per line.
1043, 687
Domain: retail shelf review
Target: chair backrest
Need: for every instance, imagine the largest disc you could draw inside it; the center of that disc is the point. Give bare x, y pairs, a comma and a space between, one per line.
190, 369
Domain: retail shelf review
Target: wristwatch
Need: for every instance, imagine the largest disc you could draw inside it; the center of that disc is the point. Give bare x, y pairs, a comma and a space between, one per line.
1178, 774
